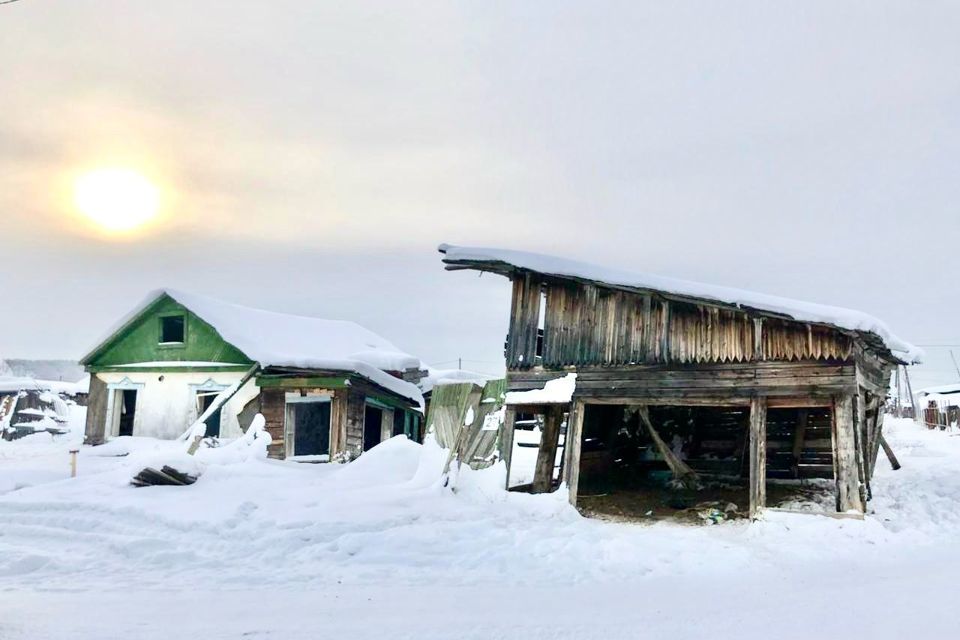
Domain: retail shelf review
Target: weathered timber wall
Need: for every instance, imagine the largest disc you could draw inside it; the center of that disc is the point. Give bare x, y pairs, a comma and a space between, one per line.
585, 324
717, 381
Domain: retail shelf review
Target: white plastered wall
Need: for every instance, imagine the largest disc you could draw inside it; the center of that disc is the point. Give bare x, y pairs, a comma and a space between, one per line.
165, 408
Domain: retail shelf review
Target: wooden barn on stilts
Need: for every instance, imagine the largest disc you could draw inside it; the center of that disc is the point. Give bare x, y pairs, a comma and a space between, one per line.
724, 383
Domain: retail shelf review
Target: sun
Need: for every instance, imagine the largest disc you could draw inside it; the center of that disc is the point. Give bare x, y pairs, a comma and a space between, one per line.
116, 199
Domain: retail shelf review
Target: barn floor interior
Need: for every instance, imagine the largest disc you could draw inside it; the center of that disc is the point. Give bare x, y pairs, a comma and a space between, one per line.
715, 502
623, 475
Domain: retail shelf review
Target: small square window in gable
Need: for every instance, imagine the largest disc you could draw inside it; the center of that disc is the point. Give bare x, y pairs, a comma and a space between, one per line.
172, 329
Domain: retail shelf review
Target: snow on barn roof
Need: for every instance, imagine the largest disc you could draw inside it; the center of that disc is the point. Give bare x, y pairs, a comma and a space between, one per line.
503, 260
282, 340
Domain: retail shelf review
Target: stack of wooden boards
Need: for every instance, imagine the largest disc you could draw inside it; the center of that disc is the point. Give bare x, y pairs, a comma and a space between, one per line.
166, 476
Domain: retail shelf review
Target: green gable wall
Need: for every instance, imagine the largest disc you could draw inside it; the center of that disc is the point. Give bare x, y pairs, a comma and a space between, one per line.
139, 341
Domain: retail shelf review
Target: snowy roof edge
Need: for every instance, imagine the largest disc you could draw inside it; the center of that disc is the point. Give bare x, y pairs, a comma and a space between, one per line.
796, 309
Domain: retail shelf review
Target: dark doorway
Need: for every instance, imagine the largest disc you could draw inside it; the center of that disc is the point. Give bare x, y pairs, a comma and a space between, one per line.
128, 409
399, 422
372, 419
213, 422
311, 429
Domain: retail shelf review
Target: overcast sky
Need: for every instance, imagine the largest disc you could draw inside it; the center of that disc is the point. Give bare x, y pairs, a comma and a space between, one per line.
312, 155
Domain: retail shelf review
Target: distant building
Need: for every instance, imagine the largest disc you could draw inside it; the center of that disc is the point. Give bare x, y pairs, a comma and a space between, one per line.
327, 388
939, 407
28, 405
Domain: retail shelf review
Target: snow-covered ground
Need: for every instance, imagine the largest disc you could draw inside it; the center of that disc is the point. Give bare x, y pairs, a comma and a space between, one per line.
379, 549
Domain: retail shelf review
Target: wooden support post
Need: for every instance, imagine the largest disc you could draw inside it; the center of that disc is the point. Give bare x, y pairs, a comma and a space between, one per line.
877, 435
758, 456
572, 446
799, 437
73, 462
860, 437
506, 439
890, 456
547, 454
845, 455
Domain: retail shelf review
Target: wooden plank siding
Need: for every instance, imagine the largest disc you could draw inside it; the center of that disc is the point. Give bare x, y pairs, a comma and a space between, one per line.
733, 380
589, 325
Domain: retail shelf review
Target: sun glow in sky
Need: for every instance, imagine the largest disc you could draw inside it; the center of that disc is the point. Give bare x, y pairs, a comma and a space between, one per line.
116, 199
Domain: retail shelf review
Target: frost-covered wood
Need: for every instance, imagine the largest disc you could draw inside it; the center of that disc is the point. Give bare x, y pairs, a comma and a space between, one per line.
572, 446
758, 456
95, 432
506, 439
845, 455
547, 452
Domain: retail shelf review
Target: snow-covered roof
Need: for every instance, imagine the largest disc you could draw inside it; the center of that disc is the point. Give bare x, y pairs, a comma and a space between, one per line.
439, 377
283, 340
13, 384
556, 391
944, 389
496, 259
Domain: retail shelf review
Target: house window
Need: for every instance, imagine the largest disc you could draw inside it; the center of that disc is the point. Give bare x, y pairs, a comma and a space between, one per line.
172, 329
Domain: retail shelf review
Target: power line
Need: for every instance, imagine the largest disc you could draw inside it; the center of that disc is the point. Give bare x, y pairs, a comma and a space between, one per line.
8, 1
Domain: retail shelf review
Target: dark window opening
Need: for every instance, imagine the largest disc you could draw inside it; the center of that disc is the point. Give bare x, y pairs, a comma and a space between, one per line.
206, 399
128, 410
399, 422
172, 329
311, 428
372, 421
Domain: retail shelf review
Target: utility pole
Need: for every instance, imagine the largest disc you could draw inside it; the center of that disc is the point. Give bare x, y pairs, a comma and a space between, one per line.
955, 363
460, 363
896, 403
906, 377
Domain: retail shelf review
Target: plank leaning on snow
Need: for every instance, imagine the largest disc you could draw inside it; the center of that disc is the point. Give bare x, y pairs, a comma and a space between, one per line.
199, 428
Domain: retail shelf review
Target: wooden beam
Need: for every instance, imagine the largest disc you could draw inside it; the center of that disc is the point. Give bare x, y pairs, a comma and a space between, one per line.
890, 456
798, 439
572, 446
199, 428
669, 402
845, 455
799, 403
758, 456
547, 454
506, 439
860, 436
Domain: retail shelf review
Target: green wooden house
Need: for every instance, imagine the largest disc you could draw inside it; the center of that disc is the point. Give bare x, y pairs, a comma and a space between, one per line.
327, 388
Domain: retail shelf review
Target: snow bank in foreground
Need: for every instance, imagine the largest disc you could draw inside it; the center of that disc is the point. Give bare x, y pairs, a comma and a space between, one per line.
388, 519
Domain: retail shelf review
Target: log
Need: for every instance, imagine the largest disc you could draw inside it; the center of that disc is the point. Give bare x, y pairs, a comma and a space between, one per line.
758, 456
890, 456
199, 428
547, 455
845, 455
506, 439
798, 439
573, 444
681, 471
